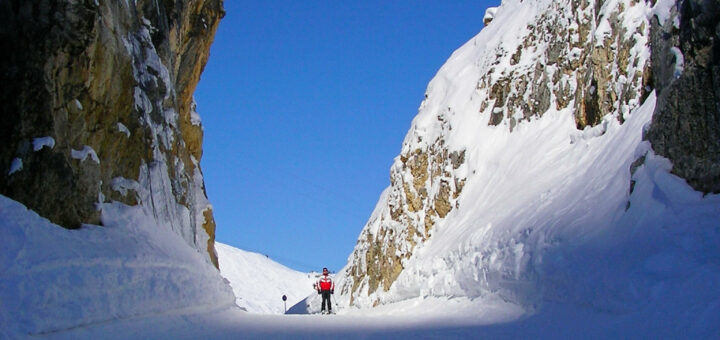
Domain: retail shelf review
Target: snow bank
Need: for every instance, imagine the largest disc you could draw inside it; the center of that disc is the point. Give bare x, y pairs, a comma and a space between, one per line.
679, 62
54, 278
123, 129
553, 219
259, 283
15, 166
39, 143
547, 221
489, 14
662, 10
84, 153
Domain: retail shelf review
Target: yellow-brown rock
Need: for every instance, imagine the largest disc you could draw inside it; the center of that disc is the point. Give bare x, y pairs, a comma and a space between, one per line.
114, 79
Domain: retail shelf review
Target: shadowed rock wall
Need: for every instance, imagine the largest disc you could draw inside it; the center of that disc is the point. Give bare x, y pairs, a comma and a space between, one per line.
686, 64
96, 101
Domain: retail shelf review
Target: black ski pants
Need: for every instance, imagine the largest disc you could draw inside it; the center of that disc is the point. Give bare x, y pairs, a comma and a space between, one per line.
326, 299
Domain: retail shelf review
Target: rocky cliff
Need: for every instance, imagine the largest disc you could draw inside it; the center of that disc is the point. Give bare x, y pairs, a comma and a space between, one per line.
97, 107
686, 64
593, 61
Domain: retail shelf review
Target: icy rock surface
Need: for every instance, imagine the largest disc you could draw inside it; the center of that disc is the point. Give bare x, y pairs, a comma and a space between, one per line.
98, 90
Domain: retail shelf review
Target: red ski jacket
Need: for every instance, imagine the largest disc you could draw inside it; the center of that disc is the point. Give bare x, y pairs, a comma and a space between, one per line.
325, 283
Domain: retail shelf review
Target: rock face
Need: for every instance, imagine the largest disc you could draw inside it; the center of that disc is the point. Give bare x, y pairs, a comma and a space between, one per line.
97, 106
686, 123
579, 55
594, 60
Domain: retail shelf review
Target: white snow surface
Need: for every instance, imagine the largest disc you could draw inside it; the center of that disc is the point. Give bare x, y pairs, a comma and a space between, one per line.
547, 242
78, 105
54, 279
195, 118
259, 283
662, 10
84, 153
122, 128
40, 142
679, 62
546, 220
489, 13
122, 185
15, 166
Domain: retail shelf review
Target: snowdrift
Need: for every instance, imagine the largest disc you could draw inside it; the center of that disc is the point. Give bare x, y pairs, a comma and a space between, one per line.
54, 279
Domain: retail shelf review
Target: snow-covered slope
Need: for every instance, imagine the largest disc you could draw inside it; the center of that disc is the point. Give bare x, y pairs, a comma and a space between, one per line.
259, 283
525, 176
53, 279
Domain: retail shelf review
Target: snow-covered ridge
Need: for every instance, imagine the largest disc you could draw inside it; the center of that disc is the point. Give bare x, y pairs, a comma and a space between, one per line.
259, 283
525, 176
537, 58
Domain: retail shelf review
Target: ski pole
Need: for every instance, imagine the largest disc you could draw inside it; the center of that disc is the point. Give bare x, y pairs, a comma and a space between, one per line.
335, 301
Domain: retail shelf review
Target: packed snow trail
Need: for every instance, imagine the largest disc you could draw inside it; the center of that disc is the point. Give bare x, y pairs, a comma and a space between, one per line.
402, 321
549, 242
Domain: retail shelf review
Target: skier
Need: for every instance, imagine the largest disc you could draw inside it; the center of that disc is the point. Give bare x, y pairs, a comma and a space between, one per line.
325, 287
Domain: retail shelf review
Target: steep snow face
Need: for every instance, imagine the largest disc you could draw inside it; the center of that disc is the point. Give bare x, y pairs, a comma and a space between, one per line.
260, 283
516, 178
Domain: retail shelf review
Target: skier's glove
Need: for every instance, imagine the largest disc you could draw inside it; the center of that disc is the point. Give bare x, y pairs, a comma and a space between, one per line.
332, 291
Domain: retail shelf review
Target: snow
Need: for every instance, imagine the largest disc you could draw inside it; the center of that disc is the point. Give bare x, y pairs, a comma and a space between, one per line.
679, 62
546, 221
142, 102
133, 279
55, 279
547, 241
15, 166
39, 143
195, 118
662, 10
122, 185
159, 194
259, 283
122, 128
84, 153
489, 14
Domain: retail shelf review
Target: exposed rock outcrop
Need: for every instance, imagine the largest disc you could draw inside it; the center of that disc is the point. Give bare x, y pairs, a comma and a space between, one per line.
585, 57
97, 106
583, 53
686, 64
425, 185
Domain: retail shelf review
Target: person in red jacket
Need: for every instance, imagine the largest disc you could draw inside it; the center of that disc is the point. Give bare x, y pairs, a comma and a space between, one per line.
325, 287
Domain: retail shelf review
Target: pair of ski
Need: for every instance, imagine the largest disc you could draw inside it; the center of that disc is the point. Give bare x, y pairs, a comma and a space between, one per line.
326, 312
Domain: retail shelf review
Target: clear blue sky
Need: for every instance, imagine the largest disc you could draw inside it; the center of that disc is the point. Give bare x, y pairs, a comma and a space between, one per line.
305, 105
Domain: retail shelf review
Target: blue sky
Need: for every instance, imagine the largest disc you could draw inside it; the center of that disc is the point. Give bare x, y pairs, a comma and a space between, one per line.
305, 104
